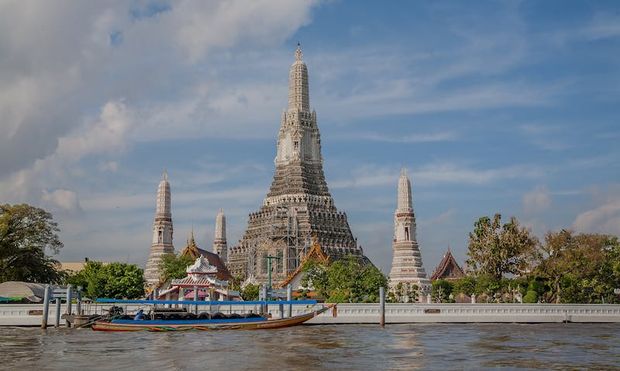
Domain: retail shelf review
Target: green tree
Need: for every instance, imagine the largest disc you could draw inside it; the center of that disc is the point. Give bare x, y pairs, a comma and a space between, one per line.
345, 280
172, 266
496, 249
441, 290
250, 292
26, 232
465, 285
113, 280
315, 277
580, 268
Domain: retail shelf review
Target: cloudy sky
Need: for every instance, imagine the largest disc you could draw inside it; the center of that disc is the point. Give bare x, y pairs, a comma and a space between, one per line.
509, 107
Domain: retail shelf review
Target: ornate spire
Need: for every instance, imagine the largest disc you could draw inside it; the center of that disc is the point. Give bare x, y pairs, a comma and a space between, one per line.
162, 232
298, 90
298, 53
404, 193
191, 240
220, 226
220, 246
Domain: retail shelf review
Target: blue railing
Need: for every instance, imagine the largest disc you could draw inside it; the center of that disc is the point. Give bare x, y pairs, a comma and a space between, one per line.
191, 302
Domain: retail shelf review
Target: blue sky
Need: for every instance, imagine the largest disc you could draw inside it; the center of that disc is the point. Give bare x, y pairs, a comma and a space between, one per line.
509, 107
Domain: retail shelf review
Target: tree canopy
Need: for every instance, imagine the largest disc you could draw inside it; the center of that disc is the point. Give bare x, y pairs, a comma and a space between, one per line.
580, 268
26, 232
497, 249
345, 280
507, 263
174, 266
113, 280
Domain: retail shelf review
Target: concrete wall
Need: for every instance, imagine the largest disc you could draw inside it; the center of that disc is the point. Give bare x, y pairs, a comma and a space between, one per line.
27, 315
471, 313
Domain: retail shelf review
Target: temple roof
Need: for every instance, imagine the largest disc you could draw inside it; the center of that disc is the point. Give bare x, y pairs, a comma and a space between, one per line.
192, 250
316, 253
201, 266
448, 268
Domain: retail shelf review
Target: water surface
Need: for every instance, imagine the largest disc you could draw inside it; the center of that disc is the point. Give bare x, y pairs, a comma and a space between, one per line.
353, 347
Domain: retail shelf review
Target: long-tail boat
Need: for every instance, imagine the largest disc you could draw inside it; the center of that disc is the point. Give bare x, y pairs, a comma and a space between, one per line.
157, 321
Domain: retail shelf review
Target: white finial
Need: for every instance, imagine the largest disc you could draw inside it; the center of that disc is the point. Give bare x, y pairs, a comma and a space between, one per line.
164, 175
403, 171
298, 53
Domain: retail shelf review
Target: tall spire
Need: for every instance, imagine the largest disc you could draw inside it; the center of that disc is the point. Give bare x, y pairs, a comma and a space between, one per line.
162, 232
220, 246
298, 205
405, 203
220, 225
163, 197
407, 267
298, 90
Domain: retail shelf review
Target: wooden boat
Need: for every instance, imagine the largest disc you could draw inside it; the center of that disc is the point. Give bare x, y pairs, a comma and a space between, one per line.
162, 325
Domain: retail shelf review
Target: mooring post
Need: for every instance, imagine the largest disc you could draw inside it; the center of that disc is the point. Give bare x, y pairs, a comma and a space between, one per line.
46, 307
289, 297
196, 299
57, 322
181, 296
78, 302
68, 311
264, 308
382, 306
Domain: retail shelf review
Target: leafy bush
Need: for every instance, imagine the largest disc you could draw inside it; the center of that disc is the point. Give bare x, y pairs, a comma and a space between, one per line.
530, 297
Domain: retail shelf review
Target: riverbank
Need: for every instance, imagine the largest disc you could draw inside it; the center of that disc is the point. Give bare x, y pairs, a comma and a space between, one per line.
30, 314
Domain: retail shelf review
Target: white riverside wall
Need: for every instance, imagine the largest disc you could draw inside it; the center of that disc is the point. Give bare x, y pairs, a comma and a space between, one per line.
29, 314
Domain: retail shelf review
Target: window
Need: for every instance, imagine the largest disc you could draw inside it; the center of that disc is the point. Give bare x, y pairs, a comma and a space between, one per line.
160, 236
406, 233
296, 144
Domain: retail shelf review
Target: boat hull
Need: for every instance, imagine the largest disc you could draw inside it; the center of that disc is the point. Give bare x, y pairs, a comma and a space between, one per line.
206, 325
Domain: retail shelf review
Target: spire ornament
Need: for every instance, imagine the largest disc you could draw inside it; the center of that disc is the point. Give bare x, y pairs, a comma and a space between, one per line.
298, 53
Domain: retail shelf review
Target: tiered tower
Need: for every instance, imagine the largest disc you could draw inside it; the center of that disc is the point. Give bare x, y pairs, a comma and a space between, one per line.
407, 265
162, 232
298, 206
220, 246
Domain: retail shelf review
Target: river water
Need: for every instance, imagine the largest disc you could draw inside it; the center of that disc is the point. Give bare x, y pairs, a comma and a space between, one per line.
354, 347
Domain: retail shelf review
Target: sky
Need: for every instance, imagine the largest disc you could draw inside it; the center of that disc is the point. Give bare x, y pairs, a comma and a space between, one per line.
509, 107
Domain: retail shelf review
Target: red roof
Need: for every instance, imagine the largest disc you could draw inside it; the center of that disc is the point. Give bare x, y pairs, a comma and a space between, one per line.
448, 268
214, 259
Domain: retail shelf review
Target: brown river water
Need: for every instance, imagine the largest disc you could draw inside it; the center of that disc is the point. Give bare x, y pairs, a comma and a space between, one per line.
335, 347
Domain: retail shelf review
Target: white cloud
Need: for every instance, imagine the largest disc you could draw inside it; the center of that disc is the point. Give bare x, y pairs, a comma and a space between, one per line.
203, 26
536, 200
63, 199
441, 136
61, 61
106, 134
603, 218
109, 166
435, 173
440, 219
453, 173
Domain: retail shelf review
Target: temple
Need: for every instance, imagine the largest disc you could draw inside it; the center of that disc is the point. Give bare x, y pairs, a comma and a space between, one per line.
407, 268
202, 282
448, 268
298, 204
193, 251
162, 233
